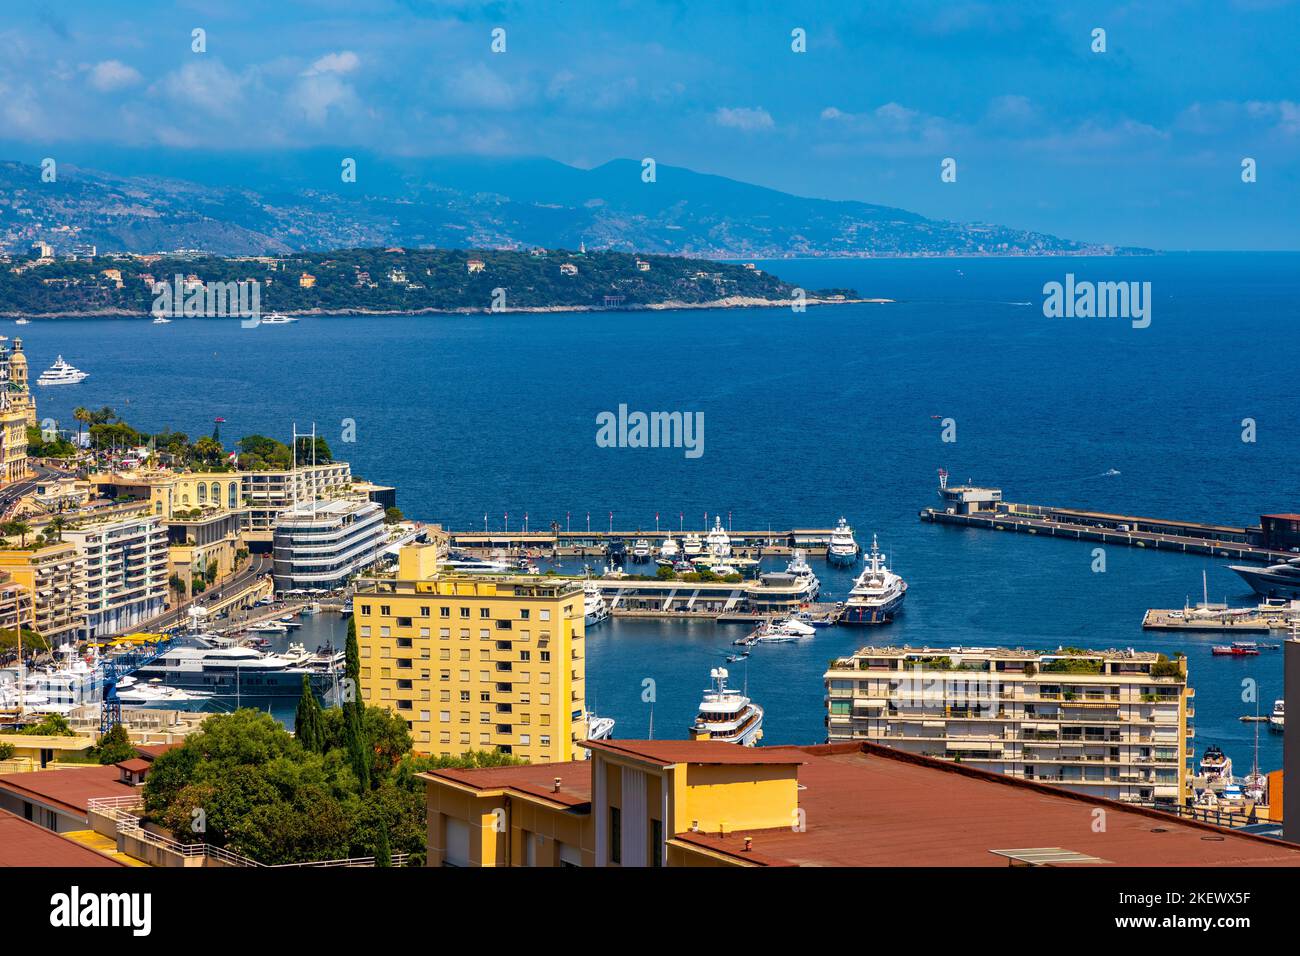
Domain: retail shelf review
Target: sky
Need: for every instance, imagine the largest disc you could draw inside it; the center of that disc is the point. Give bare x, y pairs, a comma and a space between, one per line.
1141, 144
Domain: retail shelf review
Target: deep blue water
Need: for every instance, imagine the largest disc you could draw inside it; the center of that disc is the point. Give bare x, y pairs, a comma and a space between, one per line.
806, 417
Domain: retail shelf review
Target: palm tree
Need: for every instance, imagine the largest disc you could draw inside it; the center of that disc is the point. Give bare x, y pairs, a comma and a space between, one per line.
83, 417
20, 528
55, 529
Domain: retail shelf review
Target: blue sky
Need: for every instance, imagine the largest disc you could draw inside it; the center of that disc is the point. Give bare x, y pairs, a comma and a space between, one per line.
1139, 145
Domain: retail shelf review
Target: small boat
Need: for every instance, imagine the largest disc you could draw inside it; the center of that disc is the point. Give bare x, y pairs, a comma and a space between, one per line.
724, 570
161, 320
1277, 720
1236, 649
727, 715
683, 566
668, 551
62, 373
269, 627
276, 318
23, 322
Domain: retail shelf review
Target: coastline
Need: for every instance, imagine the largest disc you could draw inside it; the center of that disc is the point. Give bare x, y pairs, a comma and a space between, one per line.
732, 302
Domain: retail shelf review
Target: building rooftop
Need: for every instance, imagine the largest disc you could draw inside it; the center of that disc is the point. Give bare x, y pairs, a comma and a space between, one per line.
534, 780
25, 844
870, 805
669, 752
67, 789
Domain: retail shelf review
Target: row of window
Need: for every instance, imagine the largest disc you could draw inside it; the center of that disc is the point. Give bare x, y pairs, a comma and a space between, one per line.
386, 610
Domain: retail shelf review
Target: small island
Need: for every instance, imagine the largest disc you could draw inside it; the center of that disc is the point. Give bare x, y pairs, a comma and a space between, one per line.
392, 281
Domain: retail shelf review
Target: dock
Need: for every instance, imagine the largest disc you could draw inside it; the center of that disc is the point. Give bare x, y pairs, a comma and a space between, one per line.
972, 506
1251, 622
556, 542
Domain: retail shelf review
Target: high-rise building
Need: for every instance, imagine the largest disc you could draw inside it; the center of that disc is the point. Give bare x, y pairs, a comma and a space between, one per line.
323, 545
475, 662
1111, 724
123, 571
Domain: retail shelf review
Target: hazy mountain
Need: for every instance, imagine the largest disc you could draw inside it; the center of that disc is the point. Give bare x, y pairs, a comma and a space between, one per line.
233, 204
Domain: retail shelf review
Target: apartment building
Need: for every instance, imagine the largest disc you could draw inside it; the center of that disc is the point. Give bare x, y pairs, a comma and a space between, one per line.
123, 571
475, 663
50, 577
324, 545
268, 493
1112, 724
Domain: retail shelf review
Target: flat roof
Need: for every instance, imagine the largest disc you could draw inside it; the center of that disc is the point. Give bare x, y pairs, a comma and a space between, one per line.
23, 843
1006, 653
67, 789
869, 805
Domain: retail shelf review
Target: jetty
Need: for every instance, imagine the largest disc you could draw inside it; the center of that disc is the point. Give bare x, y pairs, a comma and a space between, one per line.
973, 506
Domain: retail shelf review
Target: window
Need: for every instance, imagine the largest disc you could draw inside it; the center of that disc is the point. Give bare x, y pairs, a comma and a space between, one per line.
444, 612
523, 614
385, 610
484, 612
545, 614
403, 622
464, 612
615, 835
424, 611
365, 609
232, 495
656, 843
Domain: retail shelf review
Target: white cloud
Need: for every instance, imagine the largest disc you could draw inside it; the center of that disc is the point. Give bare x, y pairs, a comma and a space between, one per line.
478, 86
316, 94
743, 117
345, 61
110, 75
206, 85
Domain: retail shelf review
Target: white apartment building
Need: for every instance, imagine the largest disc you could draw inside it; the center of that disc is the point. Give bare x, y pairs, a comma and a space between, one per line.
123, 571
1113, 724
324, 544
268, 493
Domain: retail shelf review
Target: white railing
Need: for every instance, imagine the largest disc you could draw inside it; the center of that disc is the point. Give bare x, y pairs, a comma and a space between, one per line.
128, 824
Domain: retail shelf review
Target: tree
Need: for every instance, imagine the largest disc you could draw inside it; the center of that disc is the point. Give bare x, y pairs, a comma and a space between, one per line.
20, 528
114, 746
354, 710
82, 415
50, 725
308, 724
392, 515
383, 854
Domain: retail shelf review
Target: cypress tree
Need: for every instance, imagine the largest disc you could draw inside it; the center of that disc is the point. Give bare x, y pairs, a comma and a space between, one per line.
354, 711
383, 854
309, 724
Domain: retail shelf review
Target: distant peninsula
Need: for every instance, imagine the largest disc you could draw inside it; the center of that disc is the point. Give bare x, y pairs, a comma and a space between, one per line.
388, 281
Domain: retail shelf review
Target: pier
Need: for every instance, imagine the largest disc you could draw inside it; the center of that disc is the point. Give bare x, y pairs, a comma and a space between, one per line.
972, 506
594, 543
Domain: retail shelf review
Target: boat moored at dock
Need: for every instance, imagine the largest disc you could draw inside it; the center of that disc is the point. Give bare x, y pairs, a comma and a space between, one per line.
877, 594
727, 715
843, 547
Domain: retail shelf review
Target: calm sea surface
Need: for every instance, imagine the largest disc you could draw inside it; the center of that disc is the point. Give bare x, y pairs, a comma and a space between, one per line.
807, 417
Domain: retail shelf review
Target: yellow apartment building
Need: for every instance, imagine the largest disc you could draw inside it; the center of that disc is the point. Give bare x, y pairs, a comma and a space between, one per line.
52, 576
475, 662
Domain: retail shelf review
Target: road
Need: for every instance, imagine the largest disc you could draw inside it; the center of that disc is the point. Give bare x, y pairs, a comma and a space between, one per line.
259, 565
10, 494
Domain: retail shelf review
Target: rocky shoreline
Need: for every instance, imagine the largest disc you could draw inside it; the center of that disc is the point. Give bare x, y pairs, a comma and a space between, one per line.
733, 302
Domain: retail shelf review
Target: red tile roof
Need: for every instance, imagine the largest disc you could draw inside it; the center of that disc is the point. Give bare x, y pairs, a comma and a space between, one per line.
534, 779
667, 752
134, 765
67, 789
153, 751
870, 805
26, 844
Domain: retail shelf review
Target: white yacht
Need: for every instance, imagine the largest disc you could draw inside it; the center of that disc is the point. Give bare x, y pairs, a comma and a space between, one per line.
594, 609
843, 547
23, 322
230, 671
724, 570
277, 318
691, 545
61, 373
810, 587
598, 728
1216, 765
161, 320
1277, 722
641, 550
668, 551
727, 715
719, 541
877, 594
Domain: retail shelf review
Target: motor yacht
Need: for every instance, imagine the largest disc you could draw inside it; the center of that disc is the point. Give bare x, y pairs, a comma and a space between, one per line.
727, 715
594, 609
62, 373
1277, 720
843, 547
641, 550
877, 594
718, 541
692, 546
1280, 580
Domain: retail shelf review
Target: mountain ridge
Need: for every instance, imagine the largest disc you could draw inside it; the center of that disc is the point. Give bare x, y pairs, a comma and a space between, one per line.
275, 203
